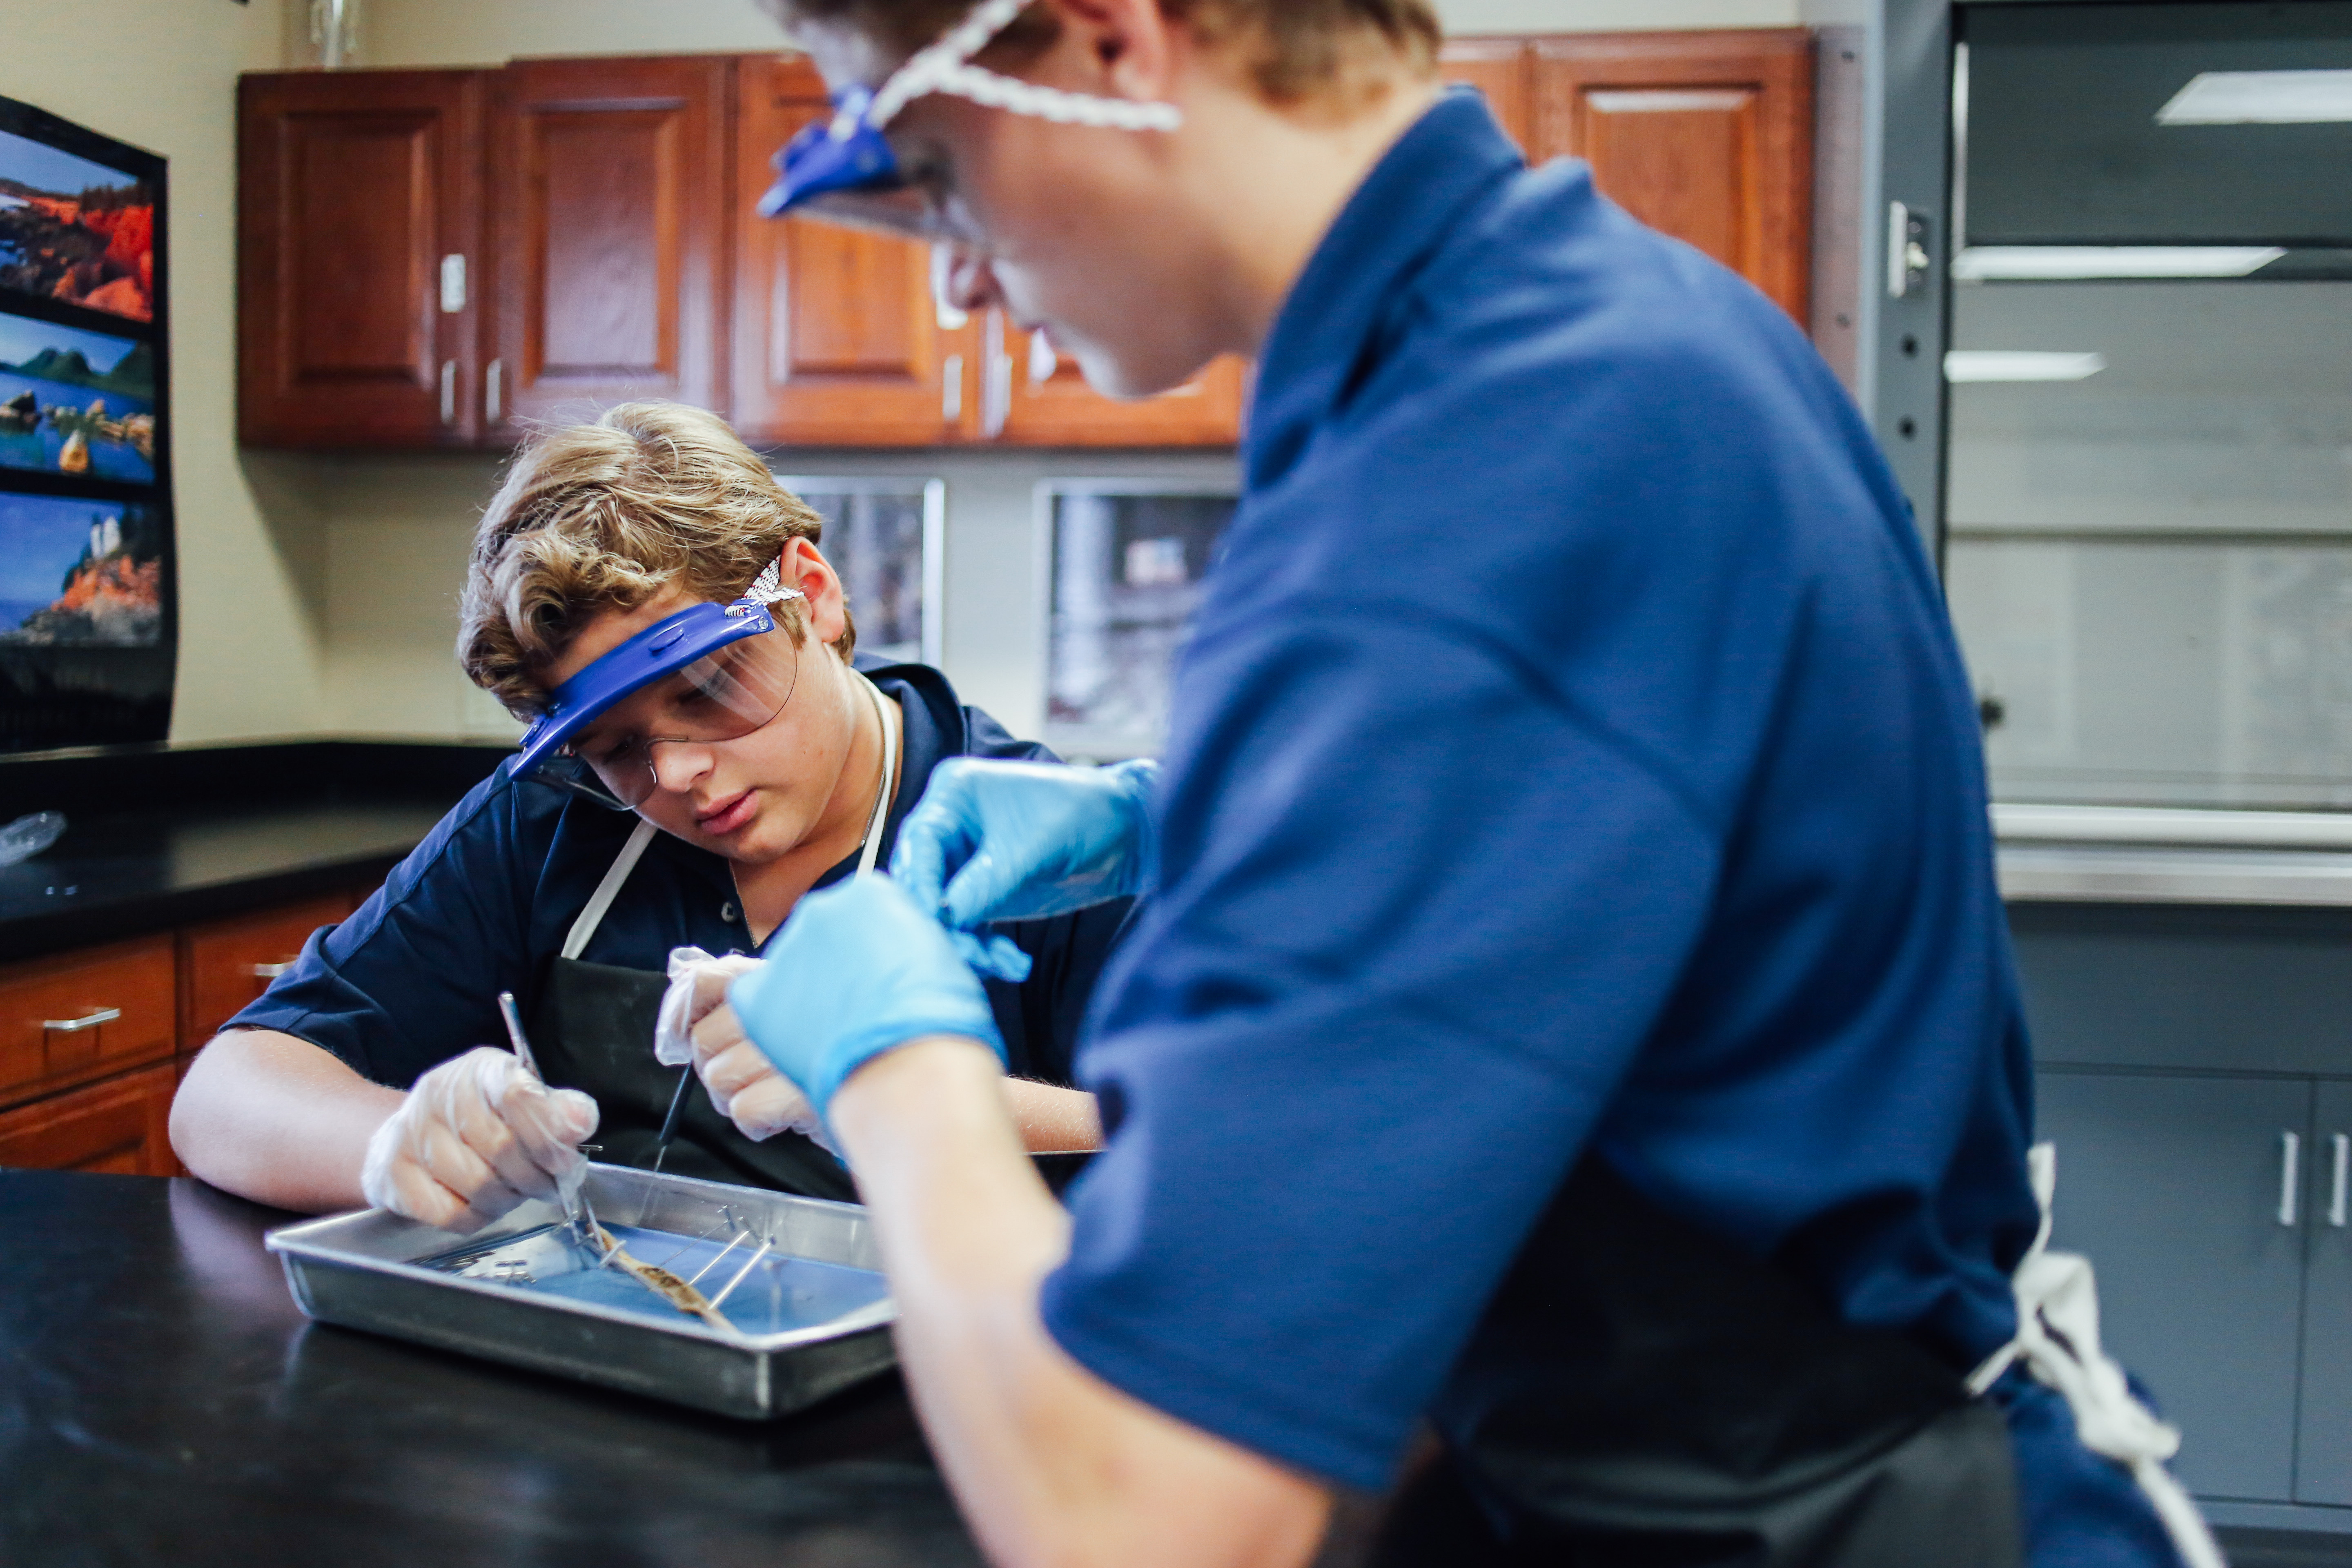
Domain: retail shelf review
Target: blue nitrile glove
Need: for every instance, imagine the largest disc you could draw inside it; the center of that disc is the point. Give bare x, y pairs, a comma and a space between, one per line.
857, 971
1020, 841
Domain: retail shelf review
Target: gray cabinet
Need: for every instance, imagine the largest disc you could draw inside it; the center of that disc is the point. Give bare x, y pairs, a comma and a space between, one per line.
2323, 1464
2170, 1185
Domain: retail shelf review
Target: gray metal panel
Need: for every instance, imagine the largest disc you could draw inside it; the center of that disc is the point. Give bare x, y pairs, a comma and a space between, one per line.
1906, 406
2170, 1186
2105, 990
2323, 1470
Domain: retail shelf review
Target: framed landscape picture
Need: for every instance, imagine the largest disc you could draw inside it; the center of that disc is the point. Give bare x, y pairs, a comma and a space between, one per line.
1123, 559
89, 608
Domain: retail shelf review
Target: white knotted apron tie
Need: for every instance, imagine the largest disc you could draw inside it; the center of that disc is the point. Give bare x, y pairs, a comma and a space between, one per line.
2058, 1344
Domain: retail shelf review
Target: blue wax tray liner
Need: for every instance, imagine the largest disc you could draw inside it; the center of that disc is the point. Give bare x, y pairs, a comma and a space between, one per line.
810, 1317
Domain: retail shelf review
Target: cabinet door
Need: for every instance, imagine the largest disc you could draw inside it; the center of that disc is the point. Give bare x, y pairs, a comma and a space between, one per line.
228, 963
2323, 1468
1502, 70
609, 183
86, 1015
838, 342
121, 1127
2171, 1186
1032, 397
1707, 136
359, 196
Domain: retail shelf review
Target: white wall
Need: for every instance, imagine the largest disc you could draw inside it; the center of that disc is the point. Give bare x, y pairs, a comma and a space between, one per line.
394, 532
252, 564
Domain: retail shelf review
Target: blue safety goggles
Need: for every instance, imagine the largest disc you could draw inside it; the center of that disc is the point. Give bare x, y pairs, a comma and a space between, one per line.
687, 643
845, 170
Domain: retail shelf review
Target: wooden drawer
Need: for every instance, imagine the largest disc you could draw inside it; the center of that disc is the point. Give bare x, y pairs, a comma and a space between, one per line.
121, 1127
132, 981
228, 963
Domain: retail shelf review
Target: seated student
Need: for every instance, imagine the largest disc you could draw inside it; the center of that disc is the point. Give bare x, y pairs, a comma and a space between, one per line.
759, 764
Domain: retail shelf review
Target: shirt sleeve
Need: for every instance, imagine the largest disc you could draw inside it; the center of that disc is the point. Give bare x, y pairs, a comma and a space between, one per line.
411, 979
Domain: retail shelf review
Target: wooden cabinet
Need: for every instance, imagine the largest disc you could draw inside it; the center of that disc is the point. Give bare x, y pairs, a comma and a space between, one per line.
838, 342
619, 257
1034, 396
1705, 135
121, 1127
228, 963
359, 207
93, 1044
609, 197
68, 1020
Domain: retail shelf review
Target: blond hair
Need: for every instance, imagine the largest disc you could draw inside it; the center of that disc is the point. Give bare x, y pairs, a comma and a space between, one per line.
1299, 47
608, 515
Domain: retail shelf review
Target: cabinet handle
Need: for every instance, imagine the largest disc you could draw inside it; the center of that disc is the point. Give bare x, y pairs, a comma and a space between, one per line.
448, 392
453, 284
996, 382
269, 971
2290, 1175
952, 392
90, 1020
1043, 358
2337, 1195
493, 386
952, 317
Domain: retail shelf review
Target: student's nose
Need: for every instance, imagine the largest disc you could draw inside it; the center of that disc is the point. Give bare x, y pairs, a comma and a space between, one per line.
970, 282
677, 764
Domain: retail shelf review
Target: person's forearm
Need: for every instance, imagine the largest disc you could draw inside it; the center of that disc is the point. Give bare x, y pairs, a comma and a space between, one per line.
1052, 1120
277, 1119
1052, 1464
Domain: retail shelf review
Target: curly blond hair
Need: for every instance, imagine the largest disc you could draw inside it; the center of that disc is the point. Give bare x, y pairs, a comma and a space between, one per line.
607, 515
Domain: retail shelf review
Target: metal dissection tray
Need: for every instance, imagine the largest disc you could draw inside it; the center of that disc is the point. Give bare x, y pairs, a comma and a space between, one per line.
818, 1321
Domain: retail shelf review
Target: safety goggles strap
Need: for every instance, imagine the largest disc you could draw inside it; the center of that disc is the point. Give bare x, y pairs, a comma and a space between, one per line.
945, 67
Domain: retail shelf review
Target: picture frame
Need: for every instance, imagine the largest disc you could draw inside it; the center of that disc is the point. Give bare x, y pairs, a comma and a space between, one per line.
1121, 562
88, 579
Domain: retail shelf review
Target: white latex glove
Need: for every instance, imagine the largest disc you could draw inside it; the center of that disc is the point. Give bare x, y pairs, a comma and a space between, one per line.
479, 1135
696, 1026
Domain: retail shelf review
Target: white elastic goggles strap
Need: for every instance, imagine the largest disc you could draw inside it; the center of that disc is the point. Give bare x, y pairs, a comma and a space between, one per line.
945, 67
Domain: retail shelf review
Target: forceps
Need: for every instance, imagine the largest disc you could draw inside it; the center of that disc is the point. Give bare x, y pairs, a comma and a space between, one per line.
577, 1210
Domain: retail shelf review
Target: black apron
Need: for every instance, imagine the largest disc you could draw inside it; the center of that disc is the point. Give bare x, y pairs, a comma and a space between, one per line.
1640, 1394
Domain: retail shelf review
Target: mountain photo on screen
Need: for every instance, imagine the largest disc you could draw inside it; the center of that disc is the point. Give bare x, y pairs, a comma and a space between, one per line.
75, 231
76, 402
79, 573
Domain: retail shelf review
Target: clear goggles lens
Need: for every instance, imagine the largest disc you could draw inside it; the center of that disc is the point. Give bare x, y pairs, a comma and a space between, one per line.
723, 696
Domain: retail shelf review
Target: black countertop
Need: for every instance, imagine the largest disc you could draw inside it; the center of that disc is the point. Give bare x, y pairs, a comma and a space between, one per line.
163, 1400
167, 836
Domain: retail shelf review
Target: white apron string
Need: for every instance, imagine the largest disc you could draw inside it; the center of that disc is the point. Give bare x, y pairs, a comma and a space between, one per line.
883, 792
608, 890
2058, 1343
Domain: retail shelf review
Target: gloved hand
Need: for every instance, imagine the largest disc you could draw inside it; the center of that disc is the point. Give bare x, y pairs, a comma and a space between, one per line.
477, 1135
1019, 841
696, 1026
857, 971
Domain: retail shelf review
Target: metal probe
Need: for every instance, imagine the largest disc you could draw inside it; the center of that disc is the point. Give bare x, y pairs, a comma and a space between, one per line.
577, 1210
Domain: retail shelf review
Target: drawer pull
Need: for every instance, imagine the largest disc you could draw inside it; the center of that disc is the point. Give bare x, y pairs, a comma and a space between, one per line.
269, 971
90, 1020
2338, 1199
2290, 1175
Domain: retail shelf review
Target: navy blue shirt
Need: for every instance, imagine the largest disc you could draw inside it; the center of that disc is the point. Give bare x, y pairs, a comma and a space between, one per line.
1571, 753
484, 905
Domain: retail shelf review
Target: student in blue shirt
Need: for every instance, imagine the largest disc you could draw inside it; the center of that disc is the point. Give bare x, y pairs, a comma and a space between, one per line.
1566, 1070
375, 1069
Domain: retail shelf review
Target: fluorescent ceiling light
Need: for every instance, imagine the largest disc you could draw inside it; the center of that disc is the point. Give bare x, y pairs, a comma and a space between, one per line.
2059, 263
2019, 365
2261, 98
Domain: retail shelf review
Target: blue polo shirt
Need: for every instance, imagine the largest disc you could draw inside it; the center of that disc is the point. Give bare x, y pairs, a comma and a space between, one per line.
1571, 754
484, 905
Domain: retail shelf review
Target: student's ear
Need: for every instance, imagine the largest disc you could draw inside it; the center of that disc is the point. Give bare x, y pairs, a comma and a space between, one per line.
806, 567
1127, 45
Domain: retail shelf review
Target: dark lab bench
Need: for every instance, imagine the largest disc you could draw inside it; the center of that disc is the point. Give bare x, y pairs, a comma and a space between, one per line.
187, 874
163, 1400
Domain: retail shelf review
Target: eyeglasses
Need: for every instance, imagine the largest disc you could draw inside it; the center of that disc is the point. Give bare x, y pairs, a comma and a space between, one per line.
721, 697
845, 170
